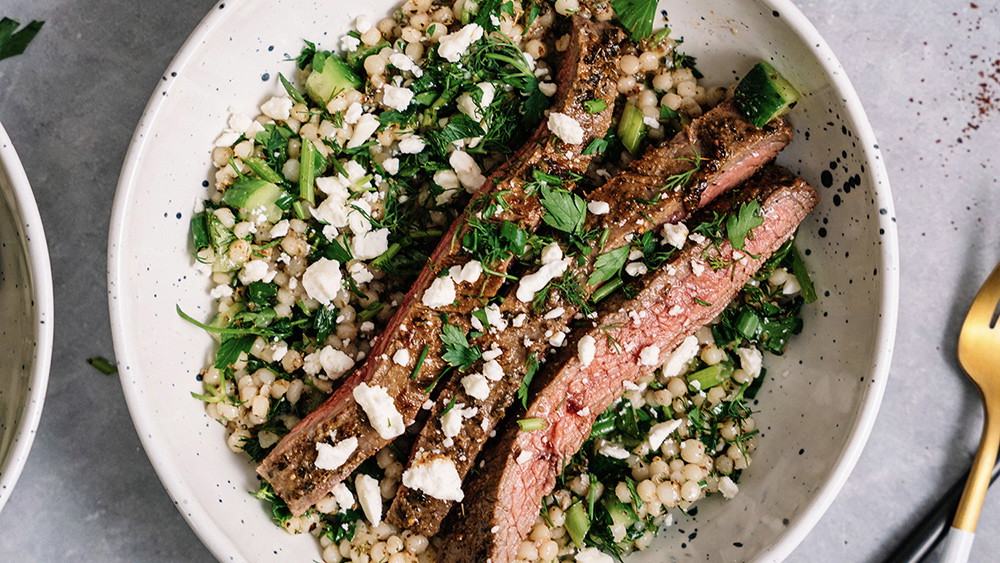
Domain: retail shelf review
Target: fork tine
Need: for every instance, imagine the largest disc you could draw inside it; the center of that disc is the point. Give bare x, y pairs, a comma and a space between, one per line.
985, 304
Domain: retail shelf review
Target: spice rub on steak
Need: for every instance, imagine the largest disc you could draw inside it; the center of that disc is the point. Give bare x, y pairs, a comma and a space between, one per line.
715, 153
501, 503
378, 400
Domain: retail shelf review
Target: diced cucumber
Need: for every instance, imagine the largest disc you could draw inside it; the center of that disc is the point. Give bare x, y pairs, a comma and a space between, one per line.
711, 376
469, 10
255, 196
620, 514
764, 94
577, 523
632, 128
330, 75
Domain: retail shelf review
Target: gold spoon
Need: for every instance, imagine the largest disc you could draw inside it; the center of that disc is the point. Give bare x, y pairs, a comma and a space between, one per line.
979, 354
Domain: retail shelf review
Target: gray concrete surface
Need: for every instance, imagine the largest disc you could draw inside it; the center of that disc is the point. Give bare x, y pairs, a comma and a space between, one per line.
925, 70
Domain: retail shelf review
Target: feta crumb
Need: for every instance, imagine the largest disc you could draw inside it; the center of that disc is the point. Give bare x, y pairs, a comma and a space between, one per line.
791, 286
469, 173
367, 125
593, 555
586, 348
221, 290
470, 272
381, 410
344, 497
476, 386
468, 105
661, 431
322, 280
349, 43
553, 266
524, 457
332, 457
360, 273
548, 88
598, 207
635, 269
391, 166
649, 356
335, 363
371, 244
492, 354
451, 421
750, 360
554, 313
519, 320
279, 229
558, 339
675, 234
369, 497
697, 267
401, 357
278, 107
566, 128
651, 122
437, 478
451, 47
396, 98
405, 64
492, 370
256, 270
613, 451
680, 357
440, 293
362, 24
411, 144
353, 113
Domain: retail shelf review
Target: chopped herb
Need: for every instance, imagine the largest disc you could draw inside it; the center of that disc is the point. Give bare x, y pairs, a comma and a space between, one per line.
532, 424
420, 361
103, 365
608, 265
596, 105
14, 43
740, 225
564, 210
449, 406
457, 351
702, 303
324, 322
636, 16
529, 374
807, 290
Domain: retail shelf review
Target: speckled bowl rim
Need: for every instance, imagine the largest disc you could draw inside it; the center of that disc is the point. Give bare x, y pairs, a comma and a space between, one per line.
26, 212
222, 546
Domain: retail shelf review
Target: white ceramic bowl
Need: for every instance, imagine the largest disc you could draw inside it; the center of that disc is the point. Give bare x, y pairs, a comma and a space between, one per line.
815, 414
25, 317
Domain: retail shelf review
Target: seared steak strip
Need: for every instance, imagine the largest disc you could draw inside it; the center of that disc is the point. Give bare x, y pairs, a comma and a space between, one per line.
728, 148
501, 504
375, 404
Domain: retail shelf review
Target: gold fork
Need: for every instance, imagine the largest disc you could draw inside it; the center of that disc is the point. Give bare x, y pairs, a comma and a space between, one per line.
979, 354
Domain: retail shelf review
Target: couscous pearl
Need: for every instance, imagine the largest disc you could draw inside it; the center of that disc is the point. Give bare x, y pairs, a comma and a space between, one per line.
691, 491
649, 61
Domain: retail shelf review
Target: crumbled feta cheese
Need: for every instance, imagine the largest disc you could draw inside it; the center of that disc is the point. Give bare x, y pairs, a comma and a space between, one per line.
675, 310
554, 313
470, 272
371, 244
411, 144
675, 234
349, 43
239, 121
369, 497
649, 356
335, 363
353, 113
661, 431
451, 47
635, 269
524, 457
437, 478
381, 410
492, 370
519, 320
558, 339
343, 496
279, 229
697, 238
750, 360
492, 354
613, 450
278, 351
440, 293
476, 386
256, 270
451, 421
405, 64
221, 290
593, 555
469, 173
598, 207
367, 125
495, 317
467, 103
566, 128
332, 457
548, 88
697, 267
401, 357
651, 122
227, 138
728, 487
553, 266
278, 107
254, 128
791, 286
586, 349
396, 98
679, 358
391, 166
362, 23
360, 273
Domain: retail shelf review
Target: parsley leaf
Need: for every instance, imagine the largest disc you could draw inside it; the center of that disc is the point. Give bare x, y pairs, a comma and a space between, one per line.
460, 127
324, 322
522, 391
457, 350
636, 16
608, 265
564, 210
12, 43
740, 225
231, 349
